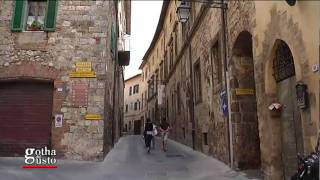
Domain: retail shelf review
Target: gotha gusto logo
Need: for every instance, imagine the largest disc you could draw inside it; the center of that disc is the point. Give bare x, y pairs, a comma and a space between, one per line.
40, 158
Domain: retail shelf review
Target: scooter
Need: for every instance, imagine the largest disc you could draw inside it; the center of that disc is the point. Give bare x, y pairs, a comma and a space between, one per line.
308, 167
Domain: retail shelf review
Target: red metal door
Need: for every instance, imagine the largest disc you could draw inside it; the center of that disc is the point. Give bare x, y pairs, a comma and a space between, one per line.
25, 116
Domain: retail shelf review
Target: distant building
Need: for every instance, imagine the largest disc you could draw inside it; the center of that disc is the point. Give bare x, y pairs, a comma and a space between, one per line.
133, 122
61, 75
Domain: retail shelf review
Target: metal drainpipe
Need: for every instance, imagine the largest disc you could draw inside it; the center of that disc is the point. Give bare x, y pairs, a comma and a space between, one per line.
114, 78
192, 100
226, 78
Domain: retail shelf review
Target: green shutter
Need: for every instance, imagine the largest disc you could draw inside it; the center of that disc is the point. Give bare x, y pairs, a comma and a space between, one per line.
18, 16
50, 21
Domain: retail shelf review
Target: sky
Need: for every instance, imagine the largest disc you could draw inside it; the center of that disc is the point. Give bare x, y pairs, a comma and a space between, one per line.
144, 20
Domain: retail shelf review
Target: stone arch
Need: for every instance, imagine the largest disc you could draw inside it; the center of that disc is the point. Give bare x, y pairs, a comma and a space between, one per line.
270, 82
280, 78
244, 104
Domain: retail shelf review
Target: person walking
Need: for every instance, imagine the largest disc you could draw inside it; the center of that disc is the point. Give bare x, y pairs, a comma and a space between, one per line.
164, 128
148, 134
155, 132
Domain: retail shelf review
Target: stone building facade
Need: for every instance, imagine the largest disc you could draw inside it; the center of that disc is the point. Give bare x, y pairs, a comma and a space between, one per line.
68, 51
133, 122
224, 71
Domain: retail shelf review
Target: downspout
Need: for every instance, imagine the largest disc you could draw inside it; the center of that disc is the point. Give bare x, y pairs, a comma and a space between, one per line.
227, 80
114, 78
191, 98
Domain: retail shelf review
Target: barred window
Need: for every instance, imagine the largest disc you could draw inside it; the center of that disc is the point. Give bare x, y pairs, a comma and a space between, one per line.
283, 64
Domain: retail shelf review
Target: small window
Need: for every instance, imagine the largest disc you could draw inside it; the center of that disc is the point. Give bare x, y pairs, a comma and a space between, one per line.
176, 43
126, 107
178, 99
197, 82
205, 138
135, 106
184, 133
142, 101
216, 59
130, 90
171, 57
36, 13
139, 105
136, 89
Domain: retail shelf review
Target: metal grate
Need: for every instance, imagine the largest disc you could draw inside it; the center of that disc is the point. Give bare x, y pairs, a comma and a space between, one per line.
174, 155
283, 65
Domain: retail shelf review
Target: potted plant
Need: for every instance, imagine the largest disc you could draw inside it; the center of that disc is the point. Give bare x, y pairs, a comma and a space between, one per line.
35, 26
275, 109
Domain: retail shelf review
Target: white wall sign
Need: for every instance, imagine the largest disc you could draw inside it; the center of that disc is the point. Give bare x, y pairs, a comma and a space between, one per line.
315, 67
58, 120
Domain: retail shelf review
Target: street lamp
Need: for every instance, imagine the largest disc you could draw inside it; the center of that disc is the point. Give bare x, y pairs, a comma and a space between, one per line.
183, 11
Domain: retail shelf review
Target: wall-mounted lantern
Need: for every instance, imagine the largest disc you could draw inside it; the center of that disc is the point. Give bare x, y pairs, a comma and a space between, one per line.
183, 11
302, 96
291, 2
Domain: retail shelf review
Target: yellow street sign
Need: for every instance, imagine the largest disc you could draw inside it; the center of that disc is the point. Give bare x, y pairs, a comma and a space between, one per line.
83, 74
244, 91
83, 70
93, 117
83, 67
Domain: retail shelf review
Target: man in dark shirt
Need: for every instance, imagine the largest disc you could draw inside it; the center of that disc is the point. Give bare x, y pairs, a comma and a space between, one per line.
148, 133
164, 128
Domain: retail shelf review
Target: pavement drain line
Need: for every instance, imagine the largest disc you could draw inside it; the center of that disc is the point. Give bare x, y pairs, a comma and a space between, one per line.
174, 155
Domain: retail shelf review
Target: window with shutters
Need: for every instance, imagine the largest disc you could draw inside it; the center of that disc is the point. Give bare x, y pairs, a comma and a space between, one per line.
135, 106
136, 89
130, 90
34, 15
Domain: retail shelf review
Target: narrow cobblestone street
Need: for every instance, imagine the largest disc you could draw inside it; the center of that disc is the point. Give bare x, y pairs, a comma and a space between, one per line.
129, 161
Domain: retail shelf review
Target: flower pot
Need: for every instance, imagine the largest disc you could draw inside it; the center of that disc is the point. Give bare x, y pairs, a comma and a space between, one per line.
276, 112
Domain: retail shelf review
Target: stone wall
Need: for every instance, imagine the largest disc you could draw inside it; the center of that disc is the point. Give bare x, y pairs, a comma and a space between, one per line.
82, 34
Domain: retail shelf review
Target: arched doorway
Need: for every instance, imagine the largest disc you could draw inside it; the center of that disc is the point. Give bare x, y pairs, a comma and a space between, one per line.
246, 143
291, 131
